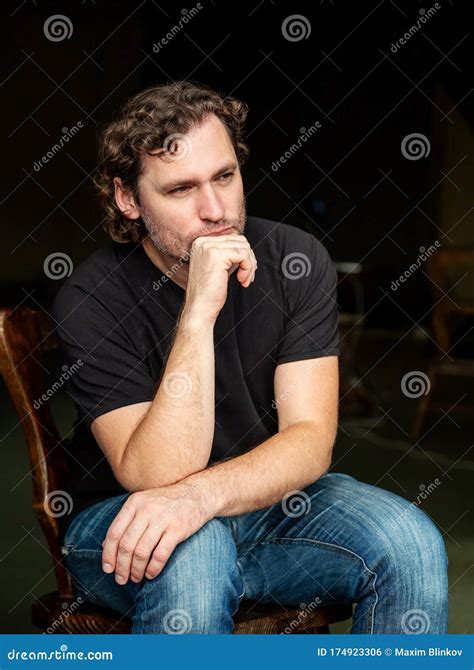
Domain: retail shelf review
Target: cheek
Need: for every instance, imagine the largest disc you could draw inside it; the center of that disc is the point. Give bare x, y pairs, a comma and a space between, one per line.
232, 195
239, 190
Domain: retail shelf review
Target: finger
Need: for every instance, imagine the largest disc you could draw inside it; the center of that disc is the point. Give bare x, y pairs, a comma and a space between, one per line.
255, 264
162, 552
224, 238
127, 545
202, 239
143, 551
251, 275
227, 244
240, 259
246, 271
114, 533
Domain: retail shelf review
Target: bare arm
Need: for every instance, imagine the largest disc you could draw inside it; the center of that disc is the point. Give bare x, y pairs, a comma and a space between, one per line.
297, 455
156, 444
151, 523
175, 436
285, 463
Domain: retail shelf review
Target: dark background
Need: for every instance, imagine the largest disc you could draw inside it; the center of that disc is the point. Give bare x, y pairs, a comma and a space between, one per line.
349, 185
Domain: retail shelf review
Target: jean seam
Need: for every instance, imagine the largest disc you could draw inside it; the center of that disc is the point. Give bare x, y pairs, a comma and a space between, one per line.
239, 600
337, 548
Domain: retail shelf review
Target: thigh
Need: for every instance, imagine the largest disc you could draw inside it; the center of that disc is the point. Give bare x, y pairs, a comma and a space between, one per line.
329, 542
83, 557
201, 577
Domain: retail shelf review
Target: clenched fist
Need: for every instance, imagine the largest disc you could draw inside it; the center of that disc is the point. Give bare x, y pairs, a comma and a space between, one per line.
213, 259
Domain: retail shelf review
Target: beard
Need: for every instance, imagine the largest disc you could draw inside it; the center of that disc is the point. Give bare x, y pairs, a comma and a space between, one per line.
170, 243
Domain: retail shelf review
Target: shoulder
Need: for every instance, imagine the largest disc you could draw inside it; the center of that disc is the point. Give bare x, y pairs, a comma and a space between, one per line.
280, 244
96, 280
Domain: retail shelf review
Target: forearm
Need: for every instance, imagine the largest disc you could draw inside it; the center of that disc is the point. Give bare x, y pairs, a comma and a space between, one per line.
288, 461
174, 438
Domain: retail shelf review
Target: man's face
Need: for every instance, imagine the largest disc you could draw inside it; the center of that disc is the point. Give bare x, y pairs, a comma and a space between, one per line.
194, 189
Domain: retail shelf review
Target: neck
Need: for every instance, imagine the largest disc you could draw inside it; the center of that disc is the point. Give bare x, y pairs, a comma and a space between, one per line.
178, 274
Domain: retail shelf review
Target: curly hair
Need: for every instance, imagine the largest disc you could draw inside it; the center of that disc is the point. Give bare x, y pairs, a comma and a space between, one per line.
142, 126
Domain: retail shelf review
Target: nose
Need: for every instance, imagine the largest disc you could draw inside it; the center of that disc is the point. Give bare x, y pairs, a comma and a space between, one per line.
210, 206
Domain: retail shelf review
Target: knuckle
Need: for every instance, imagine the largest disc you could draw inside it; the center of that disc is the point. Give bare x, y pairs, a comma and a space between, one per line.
149, 506
125, 547
141, 553
130, 502
161, 554
113, 534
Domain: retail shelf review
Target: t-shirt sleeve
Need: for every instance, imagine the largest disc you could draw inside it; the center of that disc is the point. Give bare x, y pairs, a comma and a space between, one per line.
104, 367
310, 283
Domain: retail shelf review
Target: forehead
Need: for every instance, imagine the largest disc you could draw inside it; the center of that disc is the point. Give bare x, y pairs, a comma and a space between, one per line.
199, 153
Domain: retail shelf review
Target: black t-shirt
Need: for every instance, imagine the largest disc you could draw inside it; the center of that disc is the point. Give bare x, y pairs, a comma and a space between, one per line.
116, 318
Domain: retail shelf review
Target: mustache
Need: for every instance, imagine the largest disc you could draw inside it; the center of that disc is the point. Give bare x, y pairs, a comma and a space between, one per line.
227, 223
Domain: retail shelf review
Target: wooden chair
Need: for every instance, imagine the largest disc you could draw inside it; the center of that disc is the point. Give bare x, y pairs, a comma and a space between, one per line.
448, 308
25, 335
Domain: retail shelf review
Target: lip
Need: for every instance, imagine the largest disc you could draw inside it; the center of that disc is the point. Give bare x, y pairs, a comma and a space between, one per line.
221, 232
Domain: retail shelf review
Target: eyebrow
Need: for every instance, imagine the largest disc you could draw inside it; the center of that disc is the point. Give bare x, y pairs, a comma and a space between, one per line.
168, 186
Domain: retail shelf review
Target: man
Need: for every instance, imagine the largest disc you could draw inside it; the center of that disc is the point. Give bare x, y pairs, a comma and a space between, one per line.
206, 386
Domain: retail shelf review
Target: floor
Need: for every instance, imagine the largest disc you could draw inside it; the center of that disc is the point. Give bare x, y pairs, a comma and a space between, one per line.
378, 451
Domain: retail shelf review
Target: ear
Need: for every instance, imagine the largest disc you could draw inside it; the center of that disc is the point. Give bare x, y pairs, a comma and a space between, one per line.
125, 200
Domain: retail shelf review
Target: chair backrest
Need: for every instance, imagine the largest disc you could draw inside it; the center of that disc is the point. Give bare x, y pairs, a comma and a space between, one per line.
25, 336
447, 305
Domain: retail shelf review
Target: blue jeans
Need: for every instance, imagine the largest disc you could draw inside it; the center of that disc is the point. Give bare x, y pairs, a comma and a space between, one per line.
338, 540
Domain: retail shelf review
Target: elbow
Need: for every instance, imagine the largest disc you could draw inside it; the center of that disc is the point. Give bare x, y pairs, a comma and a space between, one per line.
136, 477
328, 462
322, 438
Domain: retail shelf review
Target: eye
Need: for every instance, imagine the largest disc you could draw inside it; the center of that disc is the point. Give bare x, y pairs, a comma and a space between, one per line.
180, 189
226, 176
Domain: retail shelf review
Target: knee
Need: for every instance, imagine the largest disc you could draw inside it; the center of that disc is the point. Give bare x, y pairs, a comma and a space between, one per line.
200, 587
412, 547
205, 559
